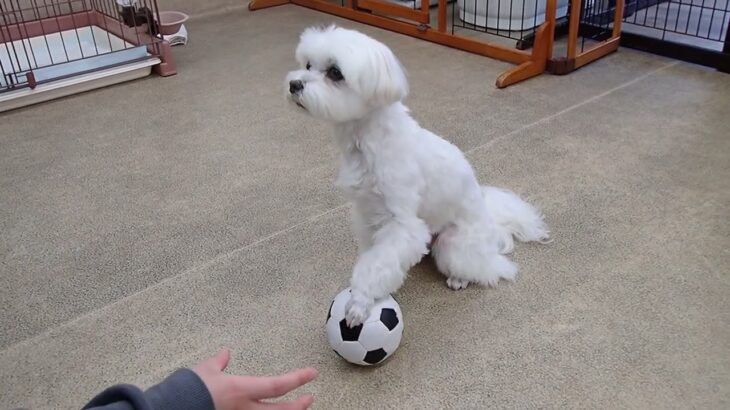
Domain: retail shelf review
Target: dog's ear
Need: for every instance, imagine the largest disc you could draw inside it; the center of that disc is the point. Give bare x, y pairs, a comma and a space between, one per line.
385, 81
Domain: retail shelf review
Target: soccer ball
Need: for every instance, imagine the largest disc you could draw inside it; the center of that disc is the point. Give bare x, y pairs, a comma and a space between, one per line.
371, 342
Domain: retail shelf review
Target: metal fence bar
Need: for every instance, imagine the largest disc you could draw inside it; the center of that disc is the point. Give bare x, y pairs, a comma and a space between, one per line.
36, 11
60, 33
27, 47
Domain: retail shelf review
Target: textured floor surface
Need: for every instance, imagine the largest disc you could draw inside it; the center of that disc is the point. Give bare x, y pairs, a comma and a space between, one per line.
147, 224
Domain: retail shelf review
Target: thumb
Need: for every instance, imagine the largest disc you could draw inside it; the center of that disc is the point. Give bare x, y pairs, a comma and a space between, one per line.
221, 359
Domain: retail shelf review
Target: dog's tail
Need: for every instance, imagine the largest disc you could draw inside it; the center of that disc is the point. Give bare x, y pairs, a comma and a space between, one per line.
515, 218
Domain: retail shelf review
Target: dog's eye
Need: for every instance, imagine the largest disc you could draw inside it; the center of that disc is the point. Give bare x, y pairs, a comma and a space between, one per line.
309, 66
334, 74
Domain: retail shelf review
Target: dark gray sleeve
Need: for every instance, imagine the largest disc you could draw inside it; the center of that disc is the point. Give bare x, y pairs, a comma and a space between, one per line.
182, 390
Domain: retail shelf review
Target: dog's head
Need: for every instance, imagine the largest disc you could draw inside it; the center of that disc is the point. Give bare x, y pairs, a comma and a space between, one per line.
344, 75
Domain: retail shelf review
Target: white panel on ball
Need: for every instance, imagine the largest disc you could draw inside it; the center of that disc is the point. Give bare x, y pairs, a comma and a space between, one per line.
394, 340
352, 352
333, 333
374, 336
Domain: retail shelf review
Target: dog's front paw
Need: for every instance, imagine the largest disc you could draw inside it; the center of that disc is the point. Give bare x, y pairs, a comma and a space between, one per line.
357, 309
456, 283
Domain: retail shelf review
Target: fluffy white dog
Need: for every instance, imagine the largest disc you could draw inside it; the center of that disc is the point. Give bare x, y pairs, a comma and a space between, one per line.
406, 184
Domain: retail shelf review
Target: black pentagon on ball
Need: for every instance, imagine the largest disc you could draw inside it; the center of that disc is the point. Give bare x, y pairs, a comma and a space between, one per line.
329, 312
349, 334
375, 356
389, 318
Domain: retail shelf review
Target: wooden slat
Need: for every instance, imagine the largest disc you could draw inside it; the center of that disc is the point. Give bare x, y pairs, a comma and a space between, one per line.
442, 16
618, 18
535, 66
391, 9
551, 8
573, 27
596, 52
496, 51
263, 4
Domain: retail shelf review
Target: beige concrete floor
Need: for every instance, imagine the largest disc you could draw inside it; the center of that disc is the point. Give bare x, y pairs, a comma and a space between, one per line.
147, 224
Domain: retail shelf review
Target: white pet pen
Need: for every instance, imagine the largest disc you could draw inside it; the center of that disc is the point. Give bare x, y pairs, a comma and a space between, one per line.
51, 48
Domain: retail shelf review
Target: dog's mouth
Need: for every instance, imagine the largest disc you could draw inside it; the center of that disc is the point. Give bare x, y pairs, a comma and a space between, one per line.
295, 98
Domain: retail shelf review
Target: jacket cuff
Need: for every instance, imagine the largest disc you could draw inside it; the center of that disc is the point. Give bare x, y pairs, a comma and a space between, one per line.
182, 390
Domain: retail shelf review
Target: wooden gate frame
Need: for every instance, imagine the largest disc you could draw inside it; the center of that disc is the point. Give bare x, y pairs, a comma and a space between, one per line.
574, 59
528, 63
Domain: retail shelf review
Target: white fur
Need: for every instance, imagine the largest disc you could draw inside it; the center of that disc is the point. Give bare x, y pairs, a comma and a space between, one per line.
405, 183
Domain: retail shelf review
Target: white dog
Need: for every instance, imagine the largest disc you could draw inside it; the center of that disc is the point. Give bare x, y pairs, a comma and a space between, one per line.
405, 183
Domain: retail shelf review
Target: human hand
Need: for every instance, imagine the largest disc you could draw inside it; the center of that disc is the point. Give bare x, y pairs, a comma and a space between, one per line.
232, 392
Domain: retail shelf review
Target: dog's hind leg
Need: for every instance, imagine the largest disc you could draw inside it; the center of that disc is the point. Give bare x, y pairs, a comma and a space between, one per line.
468, 253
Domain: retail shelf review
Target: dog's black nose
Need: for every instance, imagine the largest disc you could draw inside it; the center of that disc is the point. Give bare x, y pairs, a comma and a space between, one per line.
295, 86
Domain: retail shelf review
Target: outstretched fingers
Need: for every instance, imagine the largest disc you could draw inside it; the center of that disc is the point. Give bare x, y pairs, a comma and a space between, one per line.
260, 388
300, 403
